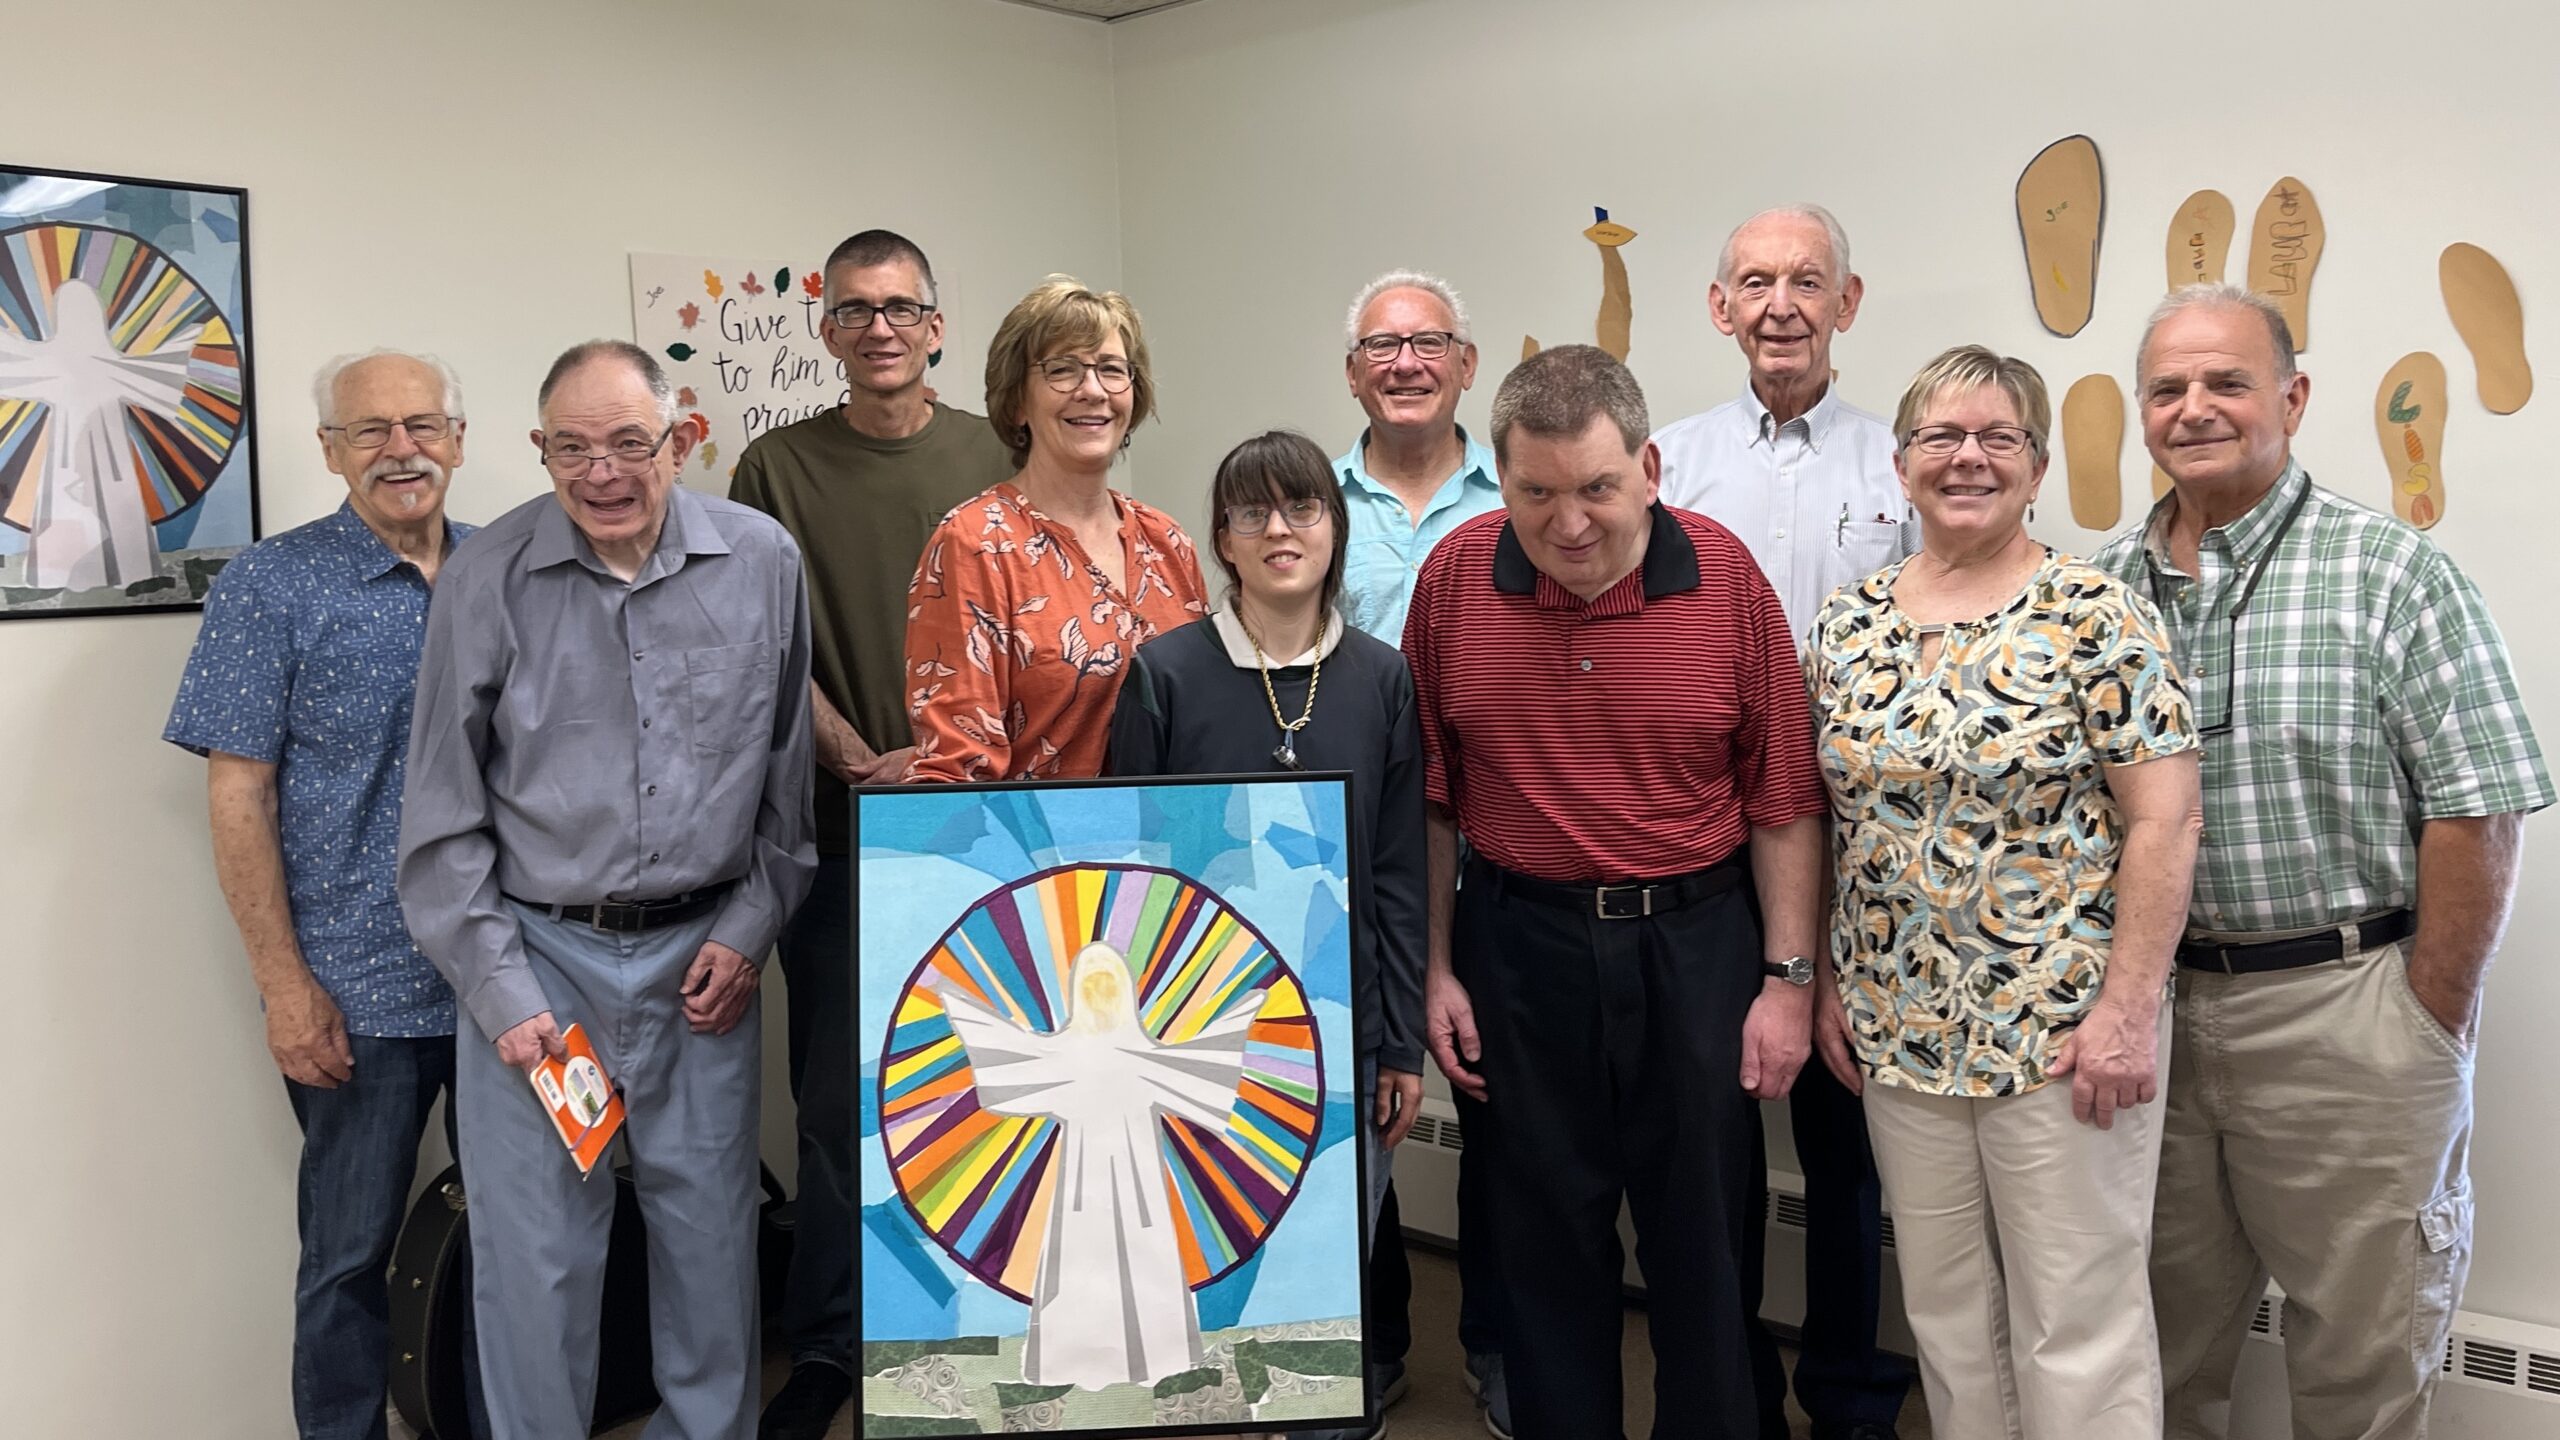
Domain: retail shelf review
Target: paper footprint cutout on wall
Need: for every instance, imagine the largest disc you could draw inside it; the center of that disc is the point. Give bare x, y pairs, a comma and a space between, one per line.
2200, 239
2483, 304
2093, 449
2062, 204
2285, 241
2408, 418
1616, 325
2159, 482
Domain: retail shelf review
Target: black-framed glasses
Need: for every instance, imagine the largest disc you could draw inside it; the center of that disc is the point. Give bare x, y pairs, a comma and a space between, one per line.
1382, 349
574, 459
856, 314
2000, 442
1065, 374
1254, 519
2239, 607
374, 434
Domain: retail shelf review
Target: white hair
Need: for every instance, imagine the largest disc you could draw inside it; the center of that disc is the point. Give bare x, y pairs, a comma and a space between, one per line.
1431, 285
324, 386
1831, 231
2222, 295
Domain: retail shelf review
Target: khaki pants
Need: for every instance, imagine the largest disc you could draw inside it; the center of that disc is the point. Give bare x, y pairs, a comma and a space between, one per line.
2023, 1236
2319, 1130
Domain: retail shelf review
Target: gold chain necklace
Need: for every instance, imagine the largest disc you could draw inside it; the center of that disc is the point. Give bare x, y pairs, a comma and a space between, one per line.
1286, 752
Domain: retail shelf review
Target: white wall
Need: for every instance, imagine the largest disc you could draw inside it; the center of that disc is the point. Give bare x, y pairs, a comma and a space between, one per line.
464, 178
1242, 166
1273, 157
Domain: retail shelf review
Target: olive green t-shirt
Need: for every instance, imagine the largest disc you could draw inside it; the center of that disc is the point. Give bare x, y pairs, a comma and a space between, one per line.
860, 509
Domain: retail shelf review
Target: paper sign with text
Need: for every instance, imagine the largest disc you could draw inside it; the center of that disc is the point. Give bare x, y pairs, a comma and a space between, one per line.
740, 340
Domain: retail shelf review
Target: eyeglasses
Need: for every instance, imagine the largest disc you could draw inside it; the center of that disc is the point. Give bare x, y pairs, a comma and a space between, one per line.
2239, 607
1254, 519
2000, 442
1427, 345
856, 314
374, 434
1065, 374
572, 460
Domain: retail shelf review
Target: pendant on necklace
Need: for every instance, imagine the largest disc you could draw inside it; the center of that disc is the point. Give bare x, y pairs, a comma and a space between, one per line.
1285, 754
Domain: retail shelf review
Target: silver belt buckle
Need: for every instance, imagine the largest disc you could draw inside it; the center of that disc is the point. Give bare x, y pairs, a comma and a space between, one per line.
1644, 902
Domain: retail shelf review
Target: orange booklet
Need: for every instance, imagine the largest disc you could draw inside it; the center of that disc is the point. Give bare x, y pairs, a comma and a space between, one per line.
585, 1107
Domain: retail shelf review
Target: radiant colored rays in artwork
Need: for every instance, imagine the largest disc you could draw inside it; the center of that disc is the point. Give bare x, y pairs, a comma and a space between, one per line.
154, 315
982, 1184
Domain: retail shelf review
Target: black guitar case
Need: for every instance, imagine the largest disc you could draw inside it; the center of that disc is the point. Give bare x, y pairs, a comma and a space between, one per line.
429, 1299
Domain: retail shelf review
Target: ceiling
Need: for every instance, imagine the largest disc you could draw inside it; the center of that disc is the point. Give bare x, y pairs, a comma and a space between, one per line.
1103, 9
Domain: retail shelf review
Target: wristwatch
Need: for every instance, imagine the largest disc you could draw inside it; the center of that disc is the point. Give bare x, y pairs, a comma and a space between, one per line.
1795, 969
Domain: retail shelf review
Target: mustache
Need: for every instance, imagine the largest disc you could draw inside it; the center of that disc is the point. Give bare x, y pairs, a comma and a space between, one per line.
389, 465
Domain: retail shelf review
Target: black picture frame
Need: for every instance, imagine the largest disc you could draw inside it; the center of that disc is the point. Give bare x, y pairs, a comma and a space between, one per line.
131, 266
873, 1052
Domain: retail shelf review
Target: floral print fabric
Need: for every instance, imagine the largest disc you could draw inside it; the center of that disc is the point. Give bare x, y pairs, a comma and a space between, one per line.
1976, 843
1017, 640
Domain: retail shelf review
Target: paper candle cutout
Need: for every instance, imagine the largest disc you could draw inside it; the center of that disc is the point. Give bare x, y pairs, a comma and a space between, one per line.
2285, 241
2200, 239
2093, 448
2408, 417
2482, 301
1617, 309
2062, 200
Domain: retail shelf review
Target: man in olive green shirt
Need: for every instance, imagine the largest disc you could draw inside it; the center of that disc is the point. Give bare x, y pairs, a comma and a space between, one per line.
859, 487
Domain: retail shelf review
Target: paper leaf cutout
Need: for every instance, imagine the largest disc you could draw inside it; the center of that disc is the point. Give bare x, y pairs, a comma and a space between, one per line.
815, 284
680, 352
690, 315
711, 284
751, 284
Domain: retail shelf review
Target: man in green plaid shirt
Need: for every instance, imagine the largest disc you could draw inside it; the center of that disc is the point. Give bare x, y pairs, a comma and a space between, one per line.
2368, 766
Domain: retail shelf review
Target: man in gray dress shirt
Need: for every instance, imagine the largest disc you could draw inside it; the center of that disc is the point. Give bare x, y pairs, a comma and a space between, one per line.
606, 821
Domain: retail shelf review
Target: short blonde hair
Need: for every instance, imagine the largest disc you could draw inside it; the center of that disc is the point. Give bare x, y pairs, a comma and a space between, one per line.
1058, 316
1974, 367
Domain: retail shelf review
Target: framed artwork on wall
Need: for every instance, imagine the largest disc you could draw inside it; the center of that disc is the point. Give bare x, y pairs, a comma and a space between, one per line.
1111, 1180
128, 474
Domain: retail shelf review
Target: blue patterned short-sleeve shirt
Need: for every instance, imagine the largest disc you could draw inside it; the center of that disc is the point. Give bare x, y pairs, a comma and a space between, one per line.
307, 659
1977, 842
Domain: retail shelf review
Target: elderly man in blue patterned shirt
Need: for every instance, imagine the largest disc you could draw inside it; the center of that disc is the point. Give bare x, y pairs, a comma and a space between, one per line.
298, 696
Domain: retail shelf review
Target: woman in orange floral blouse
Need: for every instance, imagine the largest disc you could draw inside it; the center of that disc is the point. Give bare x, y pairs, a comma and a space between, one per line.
1032, 597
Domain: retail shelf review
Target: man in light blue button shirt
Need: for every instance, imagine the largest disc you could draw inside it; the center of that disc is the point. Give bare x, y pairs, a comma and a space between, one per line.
1806, 481
1411, 478
1414, 475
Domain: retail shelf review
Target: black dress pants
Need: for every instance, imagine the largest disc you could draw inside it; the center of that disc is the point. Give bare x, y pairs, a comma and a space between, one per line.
1612, 1054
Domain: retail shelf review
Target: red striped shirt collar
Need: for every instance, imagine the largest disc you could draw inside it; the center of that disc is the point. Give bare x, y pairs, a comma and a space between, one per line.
1670, 567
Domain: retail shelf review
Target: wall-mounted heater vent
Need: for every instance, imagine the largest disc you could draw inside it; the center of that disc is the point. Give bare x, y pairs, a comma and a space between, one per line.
2521, 1360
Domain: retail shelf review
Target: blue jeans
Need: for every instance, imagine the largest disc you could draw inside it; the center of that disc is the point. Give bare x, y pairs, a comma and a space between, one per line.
816, 1318
359, 1155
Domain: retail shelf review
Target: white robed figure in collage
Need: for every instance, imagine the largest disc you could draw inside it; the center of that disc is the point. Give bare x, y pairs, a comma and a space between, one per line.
1111, 1305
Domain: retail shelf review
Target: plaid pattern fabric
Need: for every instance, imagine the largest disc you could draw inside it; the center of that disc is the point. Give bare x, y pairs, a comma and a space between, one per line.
2370, 691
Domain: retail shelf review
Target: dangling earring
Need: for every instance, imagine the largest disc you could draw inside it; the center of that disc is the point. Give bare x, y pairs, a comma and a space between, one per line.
2031, 510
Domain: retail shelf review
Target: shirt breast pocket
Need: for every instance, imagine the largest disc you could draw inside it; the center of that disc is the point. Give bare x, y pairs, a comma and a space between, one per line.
1867, 546
730, 690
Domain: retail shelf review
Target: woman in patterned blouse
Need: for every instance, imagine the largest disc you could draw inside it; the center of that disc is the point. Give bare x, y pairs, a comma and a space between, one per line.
2013, 769
1031, 598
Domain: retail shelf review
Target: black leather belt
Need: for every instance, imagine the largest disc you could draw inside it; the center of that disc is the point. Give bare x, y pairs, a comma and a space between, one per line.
2257, 959
624, 917
1633, 900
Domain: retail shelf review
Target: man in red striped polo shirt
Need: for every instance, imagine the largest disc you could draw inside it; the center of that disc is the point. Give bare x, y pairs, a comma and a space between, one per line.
1613, 713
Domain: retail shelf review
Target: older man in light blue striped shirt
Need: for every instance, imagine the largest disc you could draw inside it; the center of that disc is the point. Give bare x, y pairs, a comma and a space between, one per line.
1806, 481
